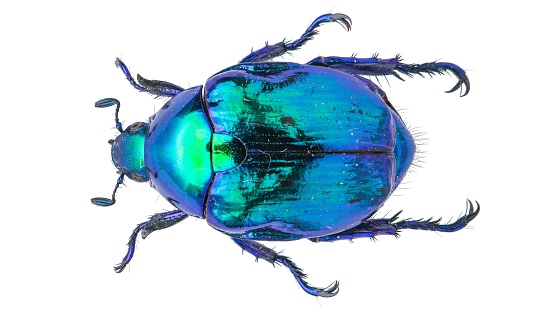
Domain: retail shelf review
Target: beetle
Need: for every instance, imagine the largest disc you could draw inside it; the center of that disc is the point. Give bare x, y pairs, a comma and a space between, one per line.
277, 151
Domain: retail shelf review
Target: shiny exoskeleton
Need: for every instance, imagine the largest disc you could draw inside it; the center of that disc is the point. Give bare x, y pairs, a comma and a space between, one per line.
277, 151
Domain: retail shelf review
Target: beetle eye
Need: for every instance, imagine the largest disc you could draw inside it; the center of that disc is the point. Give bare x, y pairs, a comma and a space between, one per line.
137, 177
134, 127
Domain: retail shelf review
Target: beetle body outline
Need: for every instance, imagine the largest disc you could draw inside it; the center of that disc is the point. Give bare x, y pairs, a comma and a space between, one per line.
277, 150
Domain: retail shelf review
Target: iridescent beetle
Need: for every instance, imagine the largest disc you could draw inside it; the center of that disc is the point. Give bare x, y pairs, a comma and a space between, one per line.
274, 151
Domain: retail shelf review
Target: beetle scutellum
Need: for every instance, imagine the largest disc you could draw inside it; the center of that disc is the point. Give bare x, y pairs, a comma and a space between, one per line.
274, 151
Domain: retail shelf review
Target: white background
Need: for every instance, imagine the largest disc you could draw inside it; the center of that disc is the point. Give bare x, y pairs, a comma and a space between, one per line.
495, 146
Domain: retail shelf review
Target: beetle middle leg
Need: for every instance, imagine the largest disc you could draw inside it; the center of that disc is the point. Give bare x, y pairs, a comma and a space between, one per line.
157, 222
375, 66
374, 227
154, 87
271, 51
260, 251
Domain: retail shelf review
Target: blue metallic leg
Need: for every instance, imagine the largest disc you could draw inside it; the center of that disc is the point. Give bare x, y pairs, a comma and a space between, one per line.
157, 222
260, 251
271, 51
373, 227
154, 87
375, 66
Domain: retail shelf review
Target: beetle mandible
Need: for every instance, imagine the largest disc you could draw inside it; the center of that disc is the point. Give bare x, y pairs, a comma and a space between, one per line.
277, 151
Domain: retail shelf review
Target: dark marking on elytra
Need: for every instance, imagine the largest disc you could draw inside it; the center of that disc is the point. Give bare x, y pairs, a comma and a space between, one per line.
287, 121
286, 183
355, 200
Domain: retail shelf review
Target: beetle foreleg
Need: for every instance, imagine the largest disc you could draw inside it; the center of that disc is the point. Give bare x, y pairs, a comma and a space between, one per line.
154, 87
162, 221
158, 221
375, 66
271, 51
260, 251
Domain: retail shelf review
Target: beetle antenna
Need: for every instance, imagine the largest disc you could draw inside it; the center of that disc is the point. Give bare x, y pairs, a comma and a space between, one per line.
107, 102
104, 202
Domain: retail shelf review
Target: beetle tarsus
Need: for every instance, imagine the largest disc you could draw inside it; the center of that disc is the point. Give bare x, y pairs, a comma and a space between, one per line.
119, 64
269, 52
130, 248
375, 66
437, 68
373, 227
300, 277
262, 252
433, 225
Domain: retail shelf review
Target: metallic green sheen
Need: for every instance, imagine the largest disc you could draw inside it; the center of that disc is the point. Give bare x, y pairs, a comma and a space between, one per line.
178, 153
227, 152
299, 107
299, 195
320, 150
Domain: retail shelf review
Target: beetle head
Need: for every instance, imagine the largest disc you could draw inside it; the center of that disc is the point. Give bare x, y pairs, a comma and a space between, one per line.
128, 152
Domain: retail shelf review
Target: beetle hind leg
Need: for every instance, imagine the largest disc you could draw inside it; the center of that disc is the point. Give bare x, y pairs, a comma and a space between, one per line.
433, 225
260, 251
375, 66
374, 227
157, 222
369, 228
154, 87
275, 50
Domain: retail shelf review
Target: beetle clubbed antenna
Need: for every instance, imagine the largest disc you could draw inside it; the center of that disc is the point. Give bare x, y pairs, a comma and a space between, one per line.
103, 201
107, 102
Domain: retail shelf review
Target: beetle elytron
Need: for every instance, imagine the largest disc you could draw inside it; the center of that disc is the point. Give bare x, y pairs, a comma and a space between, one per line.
275, 151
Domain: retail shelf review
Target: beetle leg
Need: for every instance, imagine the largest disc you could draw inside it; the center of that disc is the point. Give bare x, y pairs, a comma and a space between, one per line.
433, 225
375, 66
271, 51
439, 68
260, 251
154, 87
373, 227
158, 221
370, 228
